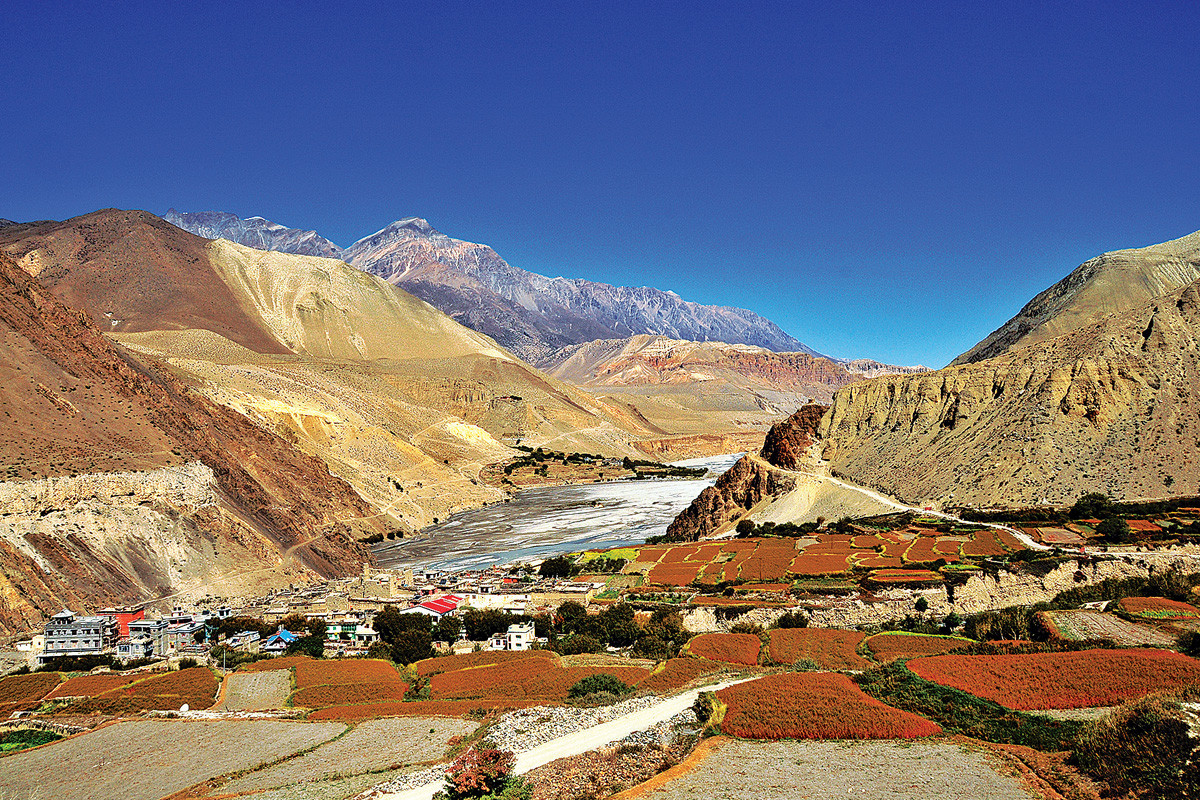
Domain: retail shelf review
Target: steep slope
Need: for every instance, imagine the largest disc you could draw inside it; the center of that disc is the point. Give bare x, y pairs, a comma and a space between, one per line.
534, 315
1110, 406
1108, 284
131, 271
253, 232
397, 399
229, 504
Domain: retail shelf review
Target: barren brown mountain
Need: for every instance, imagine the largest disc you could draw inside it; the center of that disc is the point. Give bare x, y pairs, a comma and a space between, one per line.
182, 492
1102, 394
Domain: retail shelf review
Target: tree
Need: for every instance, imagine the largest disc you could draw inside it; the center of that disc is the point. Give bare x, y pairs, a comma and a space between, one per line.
1115, 530
390, 623
411, 646
448, 629
557, 567
578, 643
569, 615
479, 772
922, 605
650, 646
1090, 506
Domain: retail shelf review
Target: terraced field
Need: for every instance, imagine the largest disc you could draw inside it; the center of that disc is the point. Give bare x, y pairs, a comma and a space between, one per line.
774, 559
142, 759
1078, 625
372, 746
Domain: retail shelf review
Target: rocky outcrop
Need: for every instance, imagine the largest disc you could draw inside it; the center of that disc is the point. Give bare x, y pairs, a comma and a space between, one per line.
1113, 407
738, 490
255, 232
189, 485
788, 442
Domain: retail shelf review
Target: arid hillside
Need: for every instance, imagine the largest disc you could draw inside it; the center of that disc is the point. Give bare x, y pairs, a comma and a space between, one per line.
1108, 284
1111, 406
185, 494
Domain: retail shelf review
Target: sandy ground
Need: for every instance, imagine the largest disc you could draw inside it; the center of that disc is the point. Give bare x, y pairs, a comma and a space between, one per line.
870, 770
256, 691
151, 759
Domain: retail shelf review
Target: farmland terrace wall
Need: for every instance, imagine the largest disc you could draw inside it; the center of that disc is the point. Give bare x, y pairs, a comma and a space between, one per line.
981, 592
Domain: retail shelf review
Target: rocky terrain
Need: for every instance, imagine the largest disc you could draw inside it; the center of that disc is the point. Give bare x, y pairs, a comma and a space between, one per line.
76, 403
254, 232
1109, 407
737, 491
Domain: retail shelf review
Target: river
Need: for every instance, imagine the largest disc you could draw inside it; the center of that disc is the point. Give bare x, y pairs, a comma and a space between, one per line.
538, 523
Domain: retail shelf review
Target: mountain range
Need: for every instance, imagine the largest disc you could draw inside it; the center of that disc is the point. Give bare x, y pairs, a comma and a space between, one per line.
530, 314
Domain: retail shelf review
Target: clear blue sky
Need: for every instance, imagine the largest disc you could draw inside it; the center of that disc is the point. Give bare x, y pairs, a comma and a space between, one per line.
890, 179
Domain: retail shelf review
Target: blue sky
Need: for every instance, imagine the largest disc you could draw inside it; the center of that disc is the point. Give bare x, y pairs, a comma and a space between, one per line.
891, 180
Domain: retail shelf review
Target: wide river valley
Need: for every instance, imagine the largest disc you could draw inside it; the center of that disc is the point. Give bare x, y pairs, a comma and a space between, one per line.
538, 523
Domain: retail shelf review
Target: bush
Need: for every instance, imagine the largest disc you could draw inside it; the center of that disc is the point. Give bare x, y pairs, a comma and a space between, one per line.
792, 619
1115, 530
1142, 748
603, 682
477, 773
1189, 644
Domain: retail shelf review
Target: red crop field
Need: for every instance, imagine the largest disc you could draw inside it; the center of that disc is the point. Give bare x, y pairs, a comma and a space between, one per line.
1143, 525
673, 574
887, 647
677, 673
432, 666
1158, 608
879, 562
814, 705
25, 688
732, 648
164, 691
556, 683
806, 564
830, 648
1081, 679
677, 555
485, 681
348, 670
348, 694
279, 662
92, 685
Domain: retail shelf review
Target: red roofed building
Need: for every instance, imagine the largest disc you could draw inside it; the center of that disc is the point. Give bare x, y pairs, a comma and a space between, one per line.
436, 607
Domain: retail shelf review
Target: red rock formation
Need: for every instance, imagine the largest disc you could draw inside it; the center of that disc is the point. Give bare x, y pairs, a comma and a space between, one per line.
737, 491
786, 441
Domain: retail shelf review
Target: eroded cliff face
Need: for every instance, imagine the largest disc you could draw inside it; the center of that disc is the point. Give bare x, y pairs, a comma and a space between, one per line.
738, 490
94, 540
76, 403
1112, 407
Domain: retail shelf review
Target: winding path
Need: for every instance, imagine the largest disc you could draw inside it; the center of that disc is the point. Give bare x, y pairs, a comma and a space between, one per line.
582, 741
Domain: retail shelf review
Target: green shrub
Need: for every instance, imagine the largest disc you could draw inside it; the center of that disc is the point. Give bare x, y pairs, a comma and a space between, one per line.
593, 684
1143, 748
